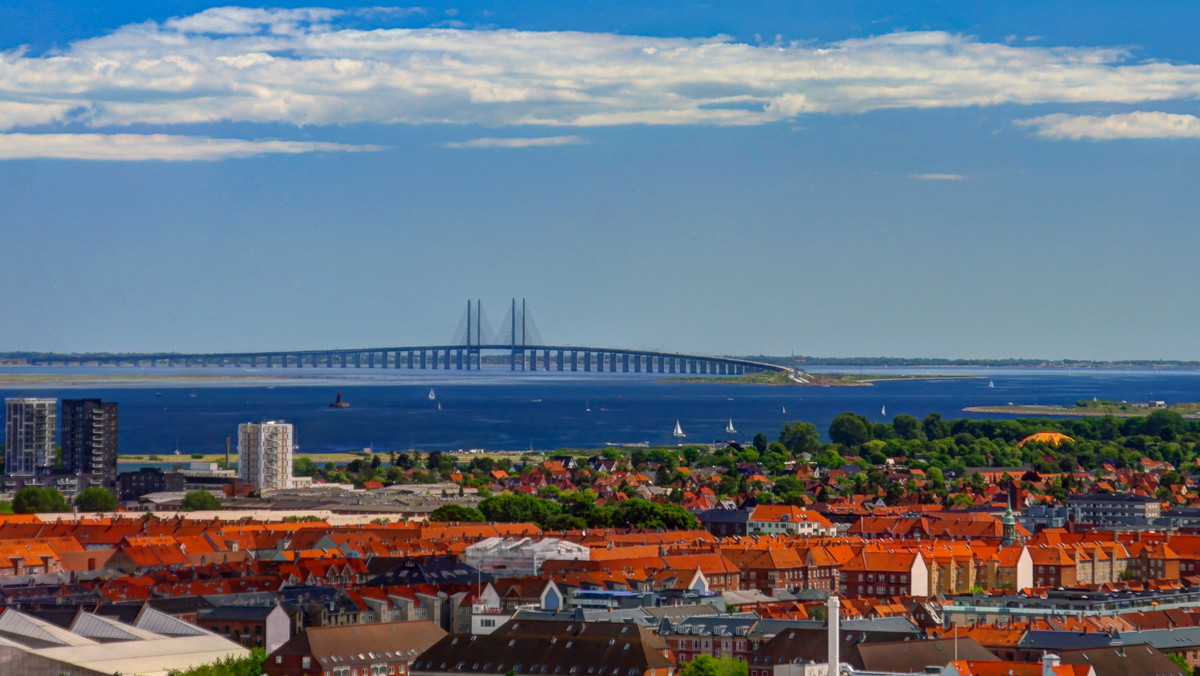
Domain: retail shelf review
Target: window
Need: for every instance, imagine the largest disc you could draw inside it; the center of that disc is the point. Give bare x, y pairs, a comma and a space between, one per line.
305, 662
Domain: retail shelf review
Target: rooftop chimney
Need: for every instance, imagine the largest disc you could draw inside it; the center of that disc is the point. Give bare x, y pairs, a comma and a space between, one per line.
834, 607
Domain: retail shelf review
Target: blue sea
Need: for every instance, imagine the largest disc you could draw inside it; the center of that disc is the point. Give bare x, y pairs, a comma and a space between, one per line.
496, 409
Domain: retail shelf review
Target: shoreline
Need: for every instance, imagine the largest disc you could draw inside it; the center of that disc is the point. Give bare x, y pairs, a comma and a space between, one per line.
1064, 412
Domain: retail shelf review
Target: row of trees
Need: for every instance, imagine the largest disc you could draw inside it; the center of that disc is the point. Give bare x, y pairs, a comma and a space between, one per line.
570, 510
46, 500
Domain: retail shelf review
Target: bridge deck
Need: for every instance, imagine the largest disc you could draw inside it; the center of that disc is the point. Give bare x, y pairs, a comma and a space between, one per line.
564, 357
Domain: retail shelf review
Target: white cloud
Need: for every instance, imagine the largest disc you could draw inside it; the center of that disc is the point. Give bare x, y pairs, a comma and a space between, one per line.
1137, 125
152, 147
937, 177
304, 67
541, 141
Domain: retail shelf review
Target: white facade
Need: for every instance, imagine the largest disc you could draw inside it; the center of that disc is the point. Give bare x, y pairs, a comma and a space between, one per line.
30, 432
265, 454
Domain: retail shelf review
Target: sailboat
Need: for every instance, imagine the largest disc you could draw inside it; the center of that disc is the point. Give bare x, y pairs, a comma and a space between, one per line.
783, 410
991, 384
587, 407
729, 429
432, 396
439, 405
883, 411
678, 431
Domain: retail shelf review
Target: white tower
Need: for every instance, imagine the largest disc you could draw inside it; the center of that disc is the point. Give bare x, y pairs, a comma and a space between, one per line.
834, 607
30, 431
265, 454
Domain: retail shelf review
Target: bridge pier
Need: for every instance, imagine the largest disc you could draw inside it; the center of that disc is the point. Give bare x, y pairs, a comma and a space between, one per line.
559, 361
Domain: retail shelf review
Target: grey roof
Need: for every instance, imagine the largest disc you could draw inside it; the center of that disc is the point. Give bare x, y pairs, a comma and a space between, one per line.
741, 516
715, 625
1169, 640
238, 613
1045, 639
442, 569
1124, 661
899, 627
914, 656
632, 615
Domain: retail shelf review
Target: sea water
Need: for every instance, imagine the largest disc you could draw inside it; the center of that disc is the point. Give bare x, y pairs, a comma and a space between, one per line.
497, 409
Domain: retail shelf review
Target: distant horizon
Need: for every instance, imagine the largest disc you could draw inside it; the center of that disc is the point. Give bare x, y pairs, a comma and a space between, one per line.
800, 360
968, 179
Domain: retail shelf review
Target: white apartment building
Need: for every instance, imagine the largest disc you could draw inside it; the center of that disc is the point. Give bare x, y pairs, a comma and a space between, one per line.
265, 454
30, 432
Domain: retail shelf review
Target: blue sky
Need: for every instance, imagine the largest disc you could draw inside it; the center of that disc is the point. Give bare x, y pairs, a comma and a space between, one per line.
950, 179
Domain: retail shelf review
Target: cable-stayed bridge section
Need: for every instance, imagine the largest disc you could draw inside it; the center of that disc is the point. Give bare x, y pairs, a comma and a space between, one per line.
517, 338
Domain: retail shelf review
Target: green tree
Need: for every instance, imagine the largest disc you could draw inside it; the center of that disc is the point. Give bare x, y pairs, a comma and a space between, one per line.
250, 665
705, 665
303, 466
39, 500
457, 513
760, 442
95, 499
907, 426
850, 430
800, 437
511, 508
200, 500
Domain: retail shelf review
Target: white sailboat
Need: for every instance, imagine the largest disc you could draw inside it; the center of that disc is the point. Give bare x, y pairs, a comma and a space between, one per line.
883, 411
991, 384
783, 410
432, 396
587, 407
678, 431
439, 405
729, 429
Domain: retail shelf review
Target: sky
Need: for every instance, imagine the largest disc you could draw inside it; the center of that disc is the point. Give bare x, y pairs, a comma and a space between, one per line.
939, 179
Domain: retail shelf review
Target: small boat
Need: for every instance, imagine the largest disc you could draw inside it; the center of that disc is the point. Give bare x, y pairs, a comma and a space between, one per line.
432, 396
729, 429
783, 410
338, 403
158, 394
587, 407
883, 411
439, 405
991, 384
678, 431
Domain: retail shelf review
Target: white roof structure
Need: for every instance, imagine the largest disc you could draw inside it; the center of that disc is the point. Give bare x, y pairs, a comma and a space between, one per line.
154, 645
521, 556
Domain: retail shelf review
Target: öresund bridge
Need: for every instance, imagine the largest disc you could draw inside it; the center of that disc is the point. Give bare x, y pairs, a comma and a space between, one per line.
518, 338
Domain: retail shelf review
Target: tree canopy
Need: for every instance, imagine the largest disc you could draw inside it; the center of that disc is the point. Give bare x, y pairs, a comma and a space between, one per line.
250, 665
95, 499
457, 513
39, 500
705, 665
200, 500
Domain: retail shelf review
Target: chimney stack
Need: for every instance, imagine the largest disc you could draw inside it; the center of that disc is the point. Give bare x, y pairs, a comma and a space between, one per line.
834, 607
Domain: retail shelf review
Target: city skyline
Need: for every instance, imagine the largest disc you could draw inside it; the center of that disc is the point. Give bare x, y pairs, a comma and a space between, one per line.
979, 181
